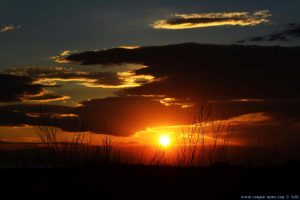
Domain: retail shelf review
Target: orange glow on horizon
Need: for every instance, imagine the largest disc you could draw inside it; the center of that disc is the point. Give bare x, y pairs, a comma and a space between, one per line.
164, 136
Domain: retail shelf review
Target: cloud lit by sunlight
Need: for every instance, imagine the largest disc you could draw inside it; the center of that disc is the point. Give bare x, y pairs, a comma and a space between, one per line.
128, 47
50, 76
168, 101
129, 79
44, 96
61, 57
187, 21
5, 28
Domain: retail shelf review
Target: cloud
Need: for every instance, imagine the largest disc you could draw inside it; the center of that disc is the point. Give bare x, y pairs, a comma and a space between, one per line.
51, 75
187, 21
6, 28
124, 116
15, 87
27, 114
22, 88
238, 80
61, 57
121, 116
242, 82
291, 33
218, 72
43, 97
129, 46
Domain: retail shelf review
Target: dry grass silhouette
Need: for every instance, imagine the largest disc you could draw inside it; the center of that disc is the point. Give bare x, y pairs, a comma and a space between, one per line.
193, 147
204, 142
76, 148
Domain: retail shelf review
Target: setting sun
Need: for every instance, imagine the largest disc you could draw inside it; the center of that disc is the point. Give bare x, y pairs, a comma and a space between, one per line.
164, 140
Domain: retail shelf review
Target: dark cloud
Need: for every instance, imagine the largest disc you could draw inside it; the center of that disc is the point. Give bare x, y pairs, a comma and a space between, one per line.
51, 75
22, 88
214, 71
238, 80
126, 115
30, 114
121, 116
291, 33
14, 88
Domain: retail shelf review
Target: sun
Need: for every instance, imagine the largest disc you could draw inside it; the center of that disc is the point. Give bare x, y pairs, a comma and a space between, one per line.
164, 140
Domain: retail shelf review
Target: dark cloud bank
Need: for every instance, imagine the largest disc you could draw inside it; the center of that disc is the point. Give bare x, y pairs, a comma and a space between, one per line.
13, 87
213, 71
18, 88
237, 79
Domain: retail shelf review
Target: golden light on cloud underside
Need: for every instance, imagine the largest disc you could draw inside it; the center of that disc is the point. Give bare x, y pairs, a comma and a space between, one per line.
187, 21
168, 101
128, 79
42, 97
61, 98
58, 115
53, 81
61, 58
128, 47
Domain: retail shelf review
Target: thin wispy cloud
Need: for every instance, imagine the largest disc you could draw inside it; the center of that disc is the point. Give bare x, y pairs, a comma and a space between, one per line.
201, 20
6, 28
290, 33
44, 96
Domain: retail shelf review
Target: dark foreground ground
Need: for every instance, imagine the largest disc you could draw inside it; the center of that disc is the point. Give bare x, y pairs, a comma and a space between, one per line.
146, 182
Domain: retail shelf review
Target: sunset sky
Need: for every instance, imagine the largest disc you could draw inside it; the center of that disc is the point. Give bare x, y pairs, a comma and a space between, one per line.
140, 69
